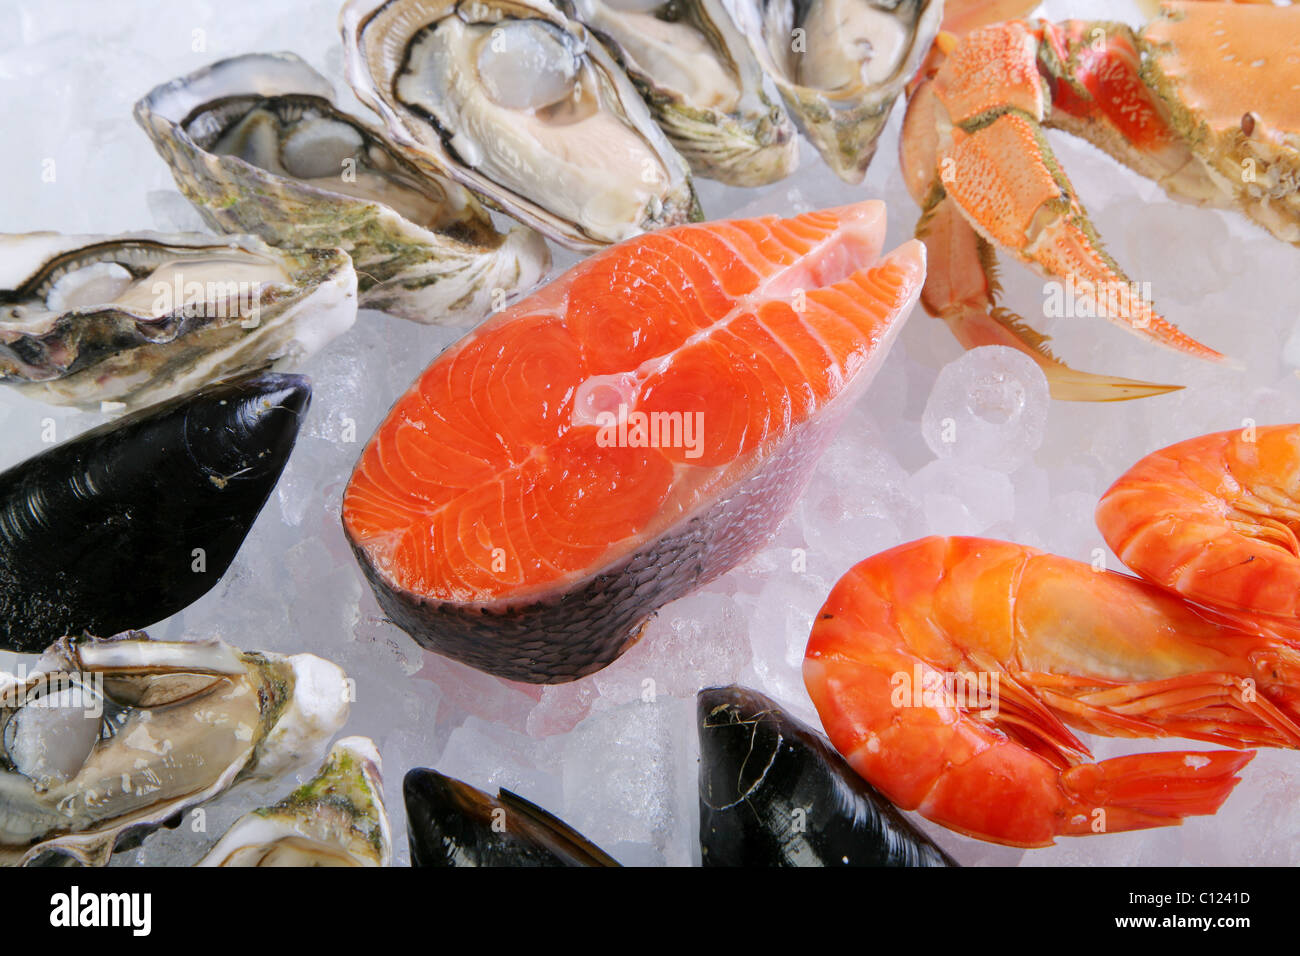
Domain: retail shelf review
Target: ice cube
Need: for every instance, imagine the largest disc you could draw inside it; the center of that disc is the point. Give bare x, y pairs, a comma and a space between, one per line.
780, 620
488, 756
629, 778
988, 407
961, 497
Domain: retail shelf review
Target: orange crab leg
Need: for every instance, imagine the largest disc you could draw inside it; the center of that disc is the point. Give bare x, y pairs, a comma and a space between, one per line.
1007, 182
1095, 75
961, 17
973, 145
961, 288
961, 284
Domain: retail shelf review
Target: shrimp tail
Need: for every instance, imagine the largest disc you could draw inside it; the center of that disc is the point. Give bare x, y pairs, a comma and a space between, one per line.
1148, 790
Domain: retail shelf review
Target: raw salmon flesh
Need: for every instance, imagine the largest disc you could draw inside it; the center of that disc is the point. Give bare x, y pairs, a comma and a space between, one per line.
630, 431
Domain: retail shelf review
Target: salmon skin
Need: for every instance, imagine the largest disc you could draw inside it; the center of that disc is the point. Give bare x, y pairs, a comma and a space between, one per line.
632, 430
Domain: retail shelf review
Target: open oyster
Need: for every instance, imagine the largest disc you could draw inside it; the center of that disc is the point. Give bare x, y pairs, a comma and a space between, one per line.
519, 103
702, 83
143, 317
257, 143
839, 64
335, 819
106, 739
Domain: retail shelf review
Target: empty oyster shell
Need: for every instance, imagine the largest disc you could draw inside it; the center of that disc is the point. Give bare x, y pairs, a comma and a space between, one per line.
702, 83
105, 739
519, 103
143, 317
839, 65
335, 819
257, 143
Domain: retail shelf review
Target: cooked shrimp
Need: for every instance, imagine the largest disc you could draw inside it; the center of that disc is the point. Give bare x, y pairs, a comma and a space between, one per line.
1215, 519
1059, 644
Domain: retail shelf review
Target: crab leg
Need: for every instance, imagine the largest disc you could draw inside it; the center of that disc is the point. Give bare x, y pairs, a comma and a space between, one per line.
978, 125
961, 284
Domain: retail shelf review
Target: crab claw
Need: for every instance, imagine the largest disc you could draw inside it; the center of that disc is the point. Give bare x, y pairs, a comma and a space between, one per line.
961, 288
1007, 183
961, 284
975, 157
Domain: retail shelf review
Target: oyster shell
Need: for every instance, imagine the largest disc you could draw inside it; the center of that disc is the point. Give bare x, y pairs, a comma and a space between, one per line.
257, 143
702, 83
335, 819
839, 65
105, 739
523, 106
143, 317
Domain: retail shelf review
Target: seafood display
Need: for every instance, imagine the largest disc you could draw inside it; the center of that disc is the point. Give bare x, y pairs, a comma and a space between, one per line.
257, 143
1069, 647
143, 317
520, 104
651, 550
105, 739
630, 432
1214, 518
132, 521
452, 824
774, 793
702, 83
335, 819
1202, 101
840, 65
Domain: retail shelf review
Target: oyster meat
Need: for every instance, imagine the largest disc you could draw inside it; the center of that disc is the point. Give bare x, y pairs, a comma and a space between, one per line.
840, 65
522, 105
258, 144
335, 819
702, 83
105, 739
139, 318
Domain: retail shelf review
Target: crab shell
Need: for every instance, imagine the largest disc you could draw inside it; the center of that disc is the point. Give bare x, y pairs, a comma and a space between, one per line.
1230, 77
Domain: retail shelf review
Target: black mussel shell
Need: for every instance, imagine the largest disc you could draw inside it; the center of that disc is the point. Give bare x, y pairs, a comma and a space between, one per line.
132, 521
773, 792
450, 823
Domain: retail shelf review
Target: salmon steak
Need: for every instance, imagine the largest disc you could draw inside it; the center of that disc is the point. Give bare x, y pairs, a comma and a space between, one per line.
629, 432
